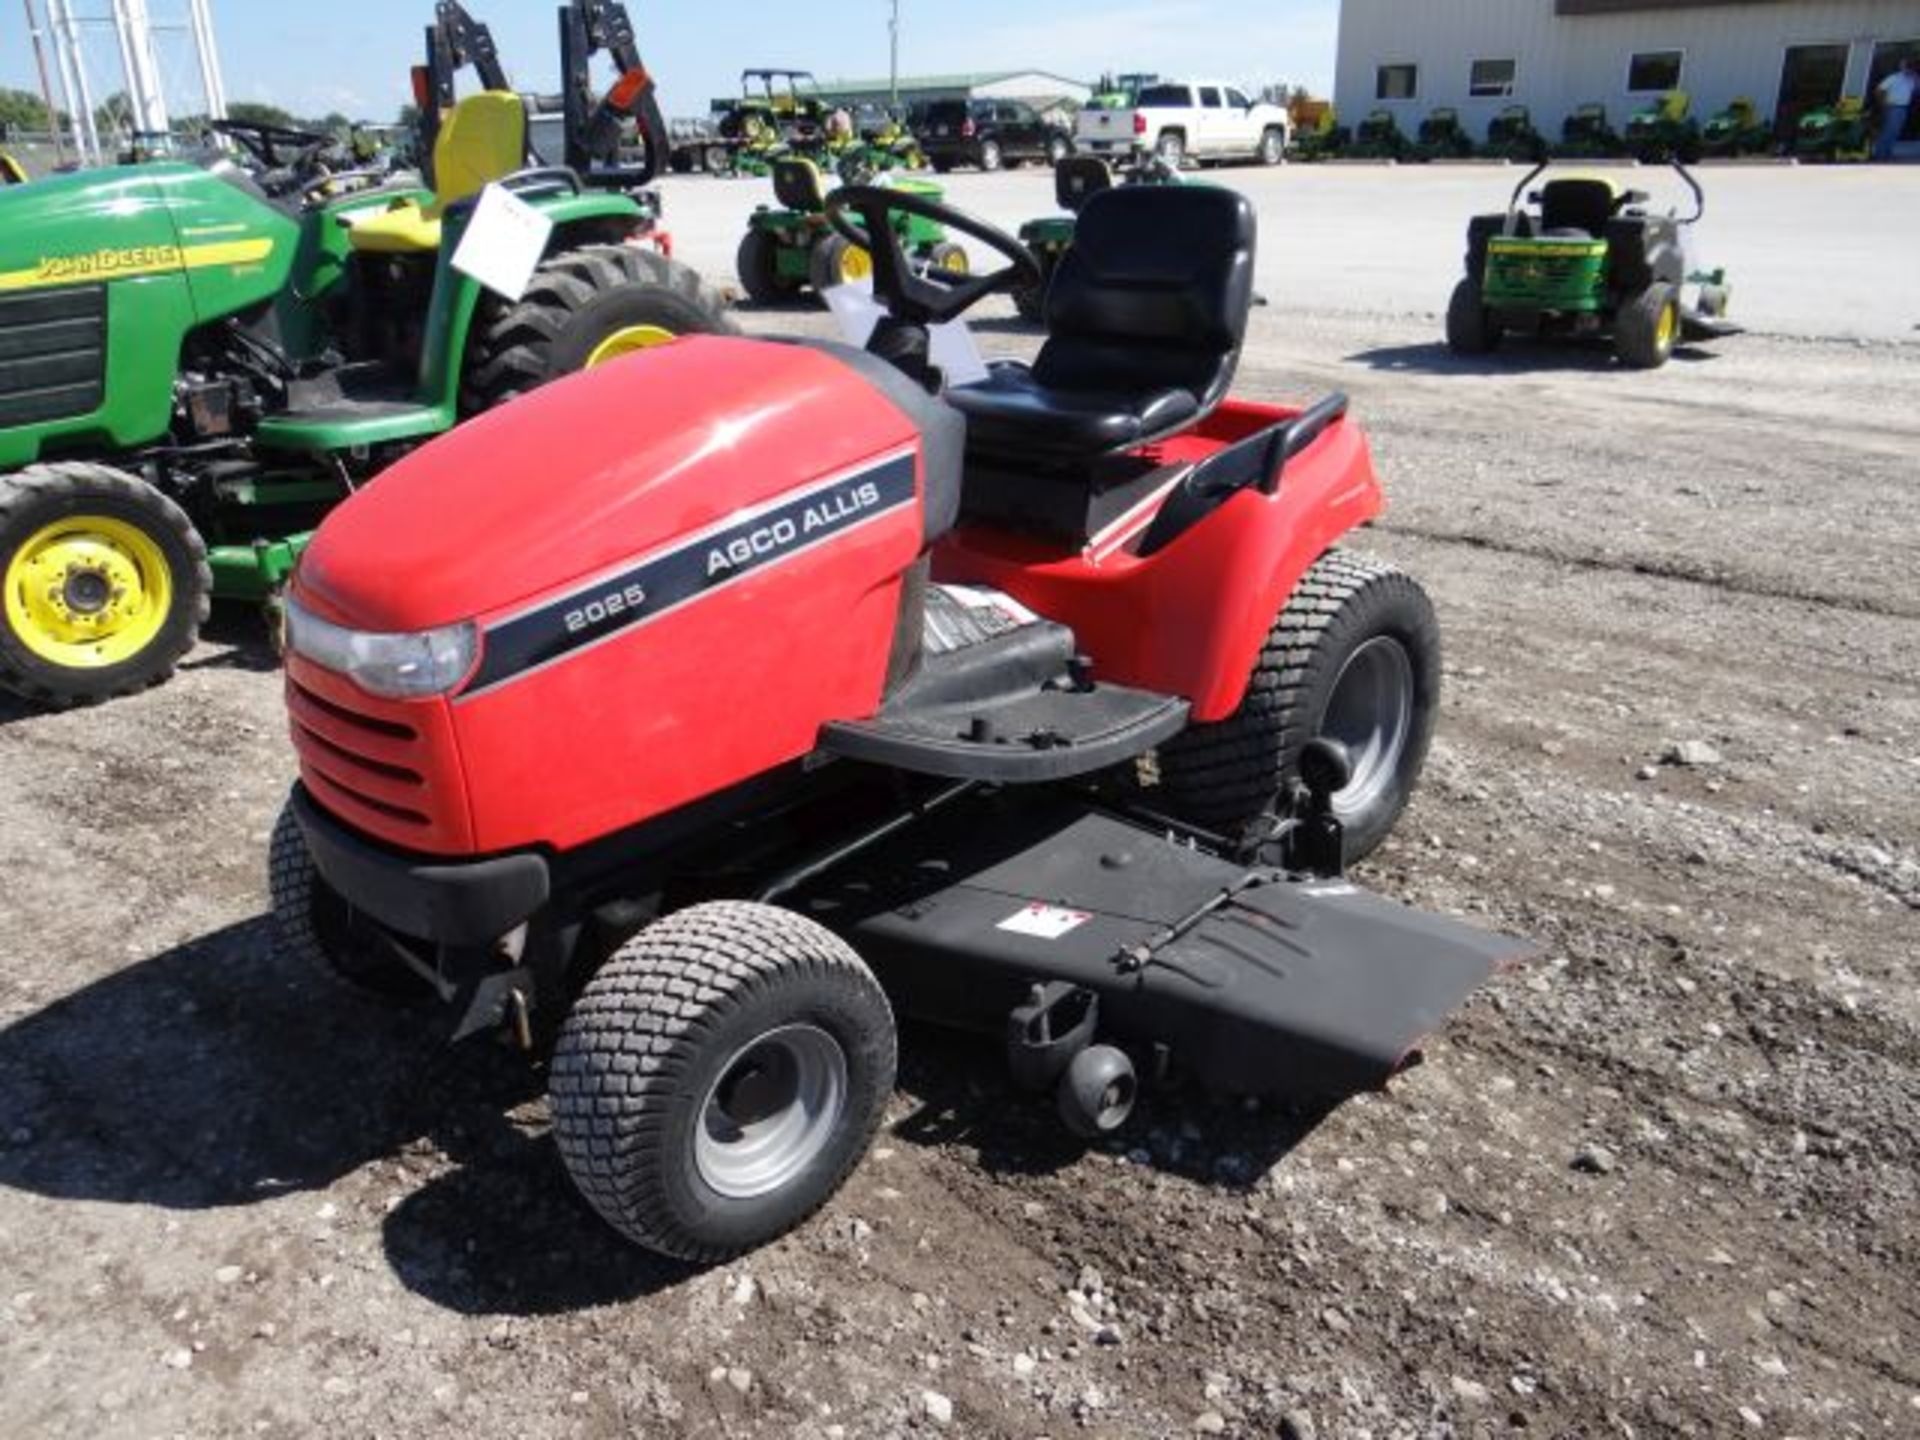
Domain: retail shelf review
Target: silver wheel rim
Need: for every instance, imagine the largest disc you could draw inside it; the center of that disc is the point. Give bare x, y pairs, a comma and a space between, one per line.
769, 1113
1371, 713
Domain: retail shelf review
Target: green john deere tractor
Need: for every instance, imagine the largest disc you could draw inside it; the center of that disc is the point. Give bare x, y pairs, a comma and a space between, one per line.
1587, 134
1837, 132
1664, 131
198, 360
1586, 259
789, 247
1737, 130
1076, 180
1511, 136
1443, 137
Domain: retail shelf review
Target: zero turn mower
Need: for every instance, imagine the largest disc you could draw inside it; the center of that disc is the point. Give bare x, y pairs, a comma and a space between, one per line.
1839, 132
1737, 130
760, 692
198, 360
792, 248
1664, 131
1443, 137
1587, 134
1378, 137
1587, 259
1511, 136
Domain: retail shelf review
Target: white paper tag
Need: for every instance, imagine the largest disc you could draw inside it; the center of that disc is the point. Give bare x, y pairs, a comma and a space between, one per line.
950, 346
1044, 922
503, 243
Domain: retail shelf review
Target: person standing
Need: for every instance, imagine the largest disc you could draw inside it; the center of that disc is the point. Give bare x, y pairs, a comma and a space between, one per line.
1896, 102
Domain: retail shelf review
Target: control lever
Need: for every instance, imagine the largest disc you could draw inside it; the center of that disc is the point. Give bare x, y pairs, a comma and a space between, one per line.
1319, 840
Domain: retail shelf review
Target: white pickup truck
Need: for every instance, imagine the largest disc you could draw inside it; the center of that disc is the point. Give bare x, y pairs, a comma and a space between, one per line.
1204, 121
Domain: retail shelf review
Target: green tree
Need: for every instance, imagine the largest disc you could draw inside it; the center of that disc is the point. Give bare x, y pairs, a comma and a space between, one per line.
22, 110
253, 112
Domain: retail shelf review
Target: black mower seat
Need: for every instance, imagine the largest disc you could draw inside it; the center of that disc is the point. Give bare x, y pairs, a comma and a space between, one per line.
1145, 317
1577, 208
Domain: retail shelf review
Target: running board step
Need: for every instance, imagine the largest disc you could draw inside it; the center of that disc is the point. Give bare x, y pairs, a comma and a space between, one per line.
1015, 709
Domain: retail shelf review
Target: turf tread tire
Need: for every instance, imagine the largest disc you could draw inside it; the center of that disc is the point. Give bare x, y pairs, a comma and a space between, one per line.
1226, 775
627, 1077
71, 485
514, 347
1471, 329
1636, 329
293, 884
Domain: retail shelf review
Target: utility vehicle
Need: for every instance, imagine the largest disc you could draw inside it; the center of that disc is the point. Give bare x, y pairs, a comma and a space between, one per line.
758, 692
1587, 259
790, 247
198, 360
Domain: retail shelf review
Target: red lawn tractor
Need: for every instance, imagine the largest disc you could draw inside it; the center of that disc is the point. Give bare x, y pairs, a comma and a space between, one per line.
750, 693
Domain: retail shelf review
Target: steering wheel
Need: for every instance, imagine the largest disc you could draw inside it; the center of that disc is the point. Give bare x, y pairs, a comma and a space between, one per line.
935, 297
264, 142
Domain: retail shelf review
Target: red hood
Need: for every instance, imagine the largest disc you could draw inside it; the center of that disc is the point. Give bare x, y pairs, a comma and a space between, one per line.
588, 472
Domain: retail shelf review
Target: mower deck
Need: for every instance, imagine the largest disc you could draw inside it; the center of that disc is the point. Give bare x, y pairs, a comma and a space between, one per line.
1254, 981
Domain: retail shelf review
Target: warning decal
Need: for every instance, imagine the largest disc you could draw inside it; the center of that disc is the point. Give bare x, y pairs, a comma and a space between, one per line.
1044, 922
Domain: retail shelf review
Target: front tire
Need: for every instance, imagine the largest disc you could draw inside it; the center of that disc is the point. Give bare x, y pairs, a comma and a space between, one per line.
105, 580
1647, 327
990, 156
1058, 149
949, 258
1471, 328
720, 1078
1273, 147
585, 306
1353, 655
316, 928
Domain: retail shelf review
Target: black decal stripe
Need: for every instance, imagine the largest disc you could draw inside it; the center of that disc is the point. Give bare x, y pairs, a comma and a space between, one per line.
689, 572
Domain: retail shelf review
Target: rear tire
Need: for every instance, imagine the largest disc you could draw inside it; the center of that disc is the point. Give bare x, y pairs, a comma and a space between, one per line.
1648, 325
1172, 148
1355, 627
106, 583
758, 262
720, 1078
1471, 328
578, 300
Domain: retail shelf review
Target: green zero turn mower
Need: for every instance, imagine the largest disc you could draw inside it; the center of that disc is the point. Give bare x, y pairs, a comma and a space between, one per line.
1737, 130
1664, 131
1587, 134
1443, 137
1076, 180
1580, 257
1317, 132
197, 361
1378, 137
1512, 136
789, 247
1837, 132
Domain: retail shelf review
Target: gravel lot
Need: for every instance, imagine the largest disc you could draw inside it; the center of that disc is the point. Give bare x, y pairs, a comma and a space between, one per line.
1663, 1181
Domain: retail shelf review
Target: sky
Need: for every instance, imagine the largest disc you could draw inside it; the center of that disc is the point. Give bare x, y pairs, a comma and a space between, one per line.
315, 56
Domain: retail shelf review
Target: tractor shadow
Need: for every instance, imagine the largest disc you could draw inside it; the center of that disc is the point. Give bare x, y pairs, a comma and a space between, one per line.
234, 637
1516, 356
964, 1097
214, 1076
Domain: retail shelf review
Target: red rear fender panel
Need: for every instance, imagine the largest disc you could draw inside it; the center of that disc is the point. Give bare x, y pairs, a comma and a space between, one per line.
1190, 619
682, 564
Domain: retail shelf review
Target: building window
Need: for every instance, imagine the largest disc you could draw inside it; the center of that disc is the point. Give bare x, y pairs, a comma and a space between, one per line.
1397, 82
1654, 72
1491, 79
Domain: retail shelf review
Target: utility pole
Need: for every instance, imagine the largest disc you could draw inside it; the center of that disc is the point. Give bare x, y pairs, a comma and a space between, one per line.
893, 61
46, 89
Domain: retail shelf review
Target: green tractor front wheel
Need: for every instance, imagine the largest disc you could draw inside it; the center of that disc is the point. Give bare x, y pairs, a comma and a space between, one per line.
1647, 327
106, 583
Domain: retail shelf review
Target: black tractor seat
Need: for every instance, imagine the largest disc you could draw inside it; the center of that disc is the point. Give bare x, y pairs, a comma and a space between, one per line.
1145, 318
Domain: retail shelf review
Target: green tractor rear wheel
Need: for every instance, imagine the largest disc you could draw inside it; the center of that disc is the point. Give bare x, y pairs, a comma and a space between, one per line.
583, 308
106, 583
1471, 327
1648, 325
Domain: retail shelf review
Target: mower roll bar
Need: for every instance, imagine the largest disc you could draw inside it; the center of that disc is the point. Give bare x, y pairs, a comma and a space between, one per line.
1686, 176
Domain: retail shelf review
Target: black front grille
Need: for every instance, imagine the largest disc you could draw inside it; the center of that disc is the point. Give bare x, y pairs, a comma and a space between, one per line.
53, 354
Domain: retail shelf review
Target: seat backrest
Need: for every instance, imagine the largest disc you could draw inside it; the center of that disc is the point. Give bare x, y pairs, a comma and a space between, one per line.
481, 140
1153, 294
797, 184
1675, 105
1078, 178
1581, 203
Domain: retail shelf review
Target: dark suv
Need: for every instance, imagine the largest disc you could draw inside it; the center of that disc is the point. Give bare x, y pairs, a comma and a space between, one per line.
988, 133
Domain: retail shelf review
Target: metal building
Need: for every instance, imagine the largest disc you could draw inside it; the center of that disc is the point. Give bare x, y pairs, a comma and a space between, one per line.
1038, 88
1787, 56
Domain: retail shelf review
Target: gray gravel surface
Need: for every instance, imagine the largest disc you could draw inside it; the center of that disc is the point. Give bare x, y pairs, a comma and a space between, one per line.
1661, 1181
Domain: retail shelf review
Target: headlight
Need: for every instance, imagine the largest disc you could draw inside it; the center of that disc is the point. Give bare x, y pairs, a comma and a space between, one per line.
405, 666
